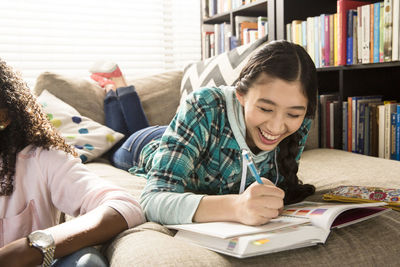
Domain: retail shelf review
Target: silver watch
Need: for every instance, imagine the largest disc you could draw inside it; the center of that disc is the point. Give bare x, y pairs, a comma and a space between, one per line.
43, 241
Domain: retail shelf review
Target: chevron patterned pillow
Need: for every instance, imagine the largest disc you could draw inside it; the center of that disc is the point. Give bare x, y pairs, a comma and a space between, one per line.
223, 69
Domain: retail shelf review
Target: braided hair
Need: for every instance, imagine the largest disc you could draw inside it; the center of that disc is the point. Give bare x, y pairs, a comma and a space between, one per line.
289, 62
29, 126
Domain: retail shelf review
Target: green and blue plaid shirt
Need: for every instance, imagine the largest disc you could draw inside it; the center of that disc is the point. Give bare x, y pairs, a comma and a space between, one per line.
198, 154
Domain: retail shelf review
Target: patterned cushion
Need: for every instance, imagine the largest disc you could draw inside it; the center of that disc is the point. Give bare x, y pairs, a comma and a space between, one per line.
91, 139
223, 69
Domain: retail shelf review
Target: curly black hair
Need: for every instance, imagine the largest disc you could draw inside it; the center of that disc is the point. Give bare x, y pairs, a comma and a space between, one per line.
29, 125
289, 62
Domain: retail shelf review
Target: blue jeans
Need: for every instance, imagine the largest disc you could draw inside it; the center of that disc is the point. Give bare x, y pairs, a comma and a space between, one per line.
124, 113
128, 154
86, 257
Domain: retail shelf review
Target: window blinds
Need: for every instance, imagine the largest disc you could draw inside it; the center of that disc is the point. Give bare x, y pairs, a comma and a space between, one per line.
66, 37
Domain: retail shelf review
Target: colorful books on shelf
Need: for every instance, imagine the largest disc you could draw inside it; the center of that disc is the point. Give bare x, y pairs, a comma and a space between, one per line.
300, 225
360, 32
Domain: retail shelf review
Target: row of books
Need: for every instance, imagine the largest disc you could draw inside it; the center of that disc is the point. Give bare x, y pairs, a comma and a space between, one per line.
214, 7
362, 124
358, 33
219, 38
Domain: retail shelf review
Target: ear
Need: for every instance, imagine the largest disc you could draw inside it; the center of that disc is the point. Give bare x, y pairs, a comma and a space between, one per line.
240, 97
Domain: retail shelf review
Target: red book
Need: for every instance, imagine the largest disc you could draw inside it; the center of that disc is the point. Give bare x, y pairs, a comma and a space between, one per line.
342, 7
349, 123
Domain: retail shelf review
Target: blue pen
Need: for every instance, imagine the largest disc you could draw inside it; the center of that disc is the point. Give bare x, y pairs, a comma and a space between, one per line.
251, 166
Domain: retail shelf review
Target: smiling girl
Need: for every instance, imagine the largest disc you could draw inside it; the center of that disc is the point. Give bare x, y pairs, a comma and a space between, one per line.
195, 169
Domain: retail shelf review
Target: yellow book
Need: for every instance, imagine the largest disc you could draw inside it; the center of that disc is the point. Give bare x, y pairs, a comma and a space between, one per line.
335, 51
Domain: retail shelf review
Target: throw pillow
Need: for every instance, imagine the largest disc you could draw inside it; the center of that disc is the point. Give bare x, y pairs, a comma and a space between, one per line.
91, 139
85, 96
223, 69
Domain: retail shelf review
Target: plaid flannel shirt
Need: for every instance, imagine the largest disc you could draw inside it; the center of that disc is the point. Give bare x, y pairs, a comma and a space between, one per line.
197, 153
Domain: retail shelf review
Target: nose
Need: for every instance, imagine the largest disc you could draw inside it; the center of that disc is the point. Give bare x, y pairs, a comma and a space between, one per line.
276, 124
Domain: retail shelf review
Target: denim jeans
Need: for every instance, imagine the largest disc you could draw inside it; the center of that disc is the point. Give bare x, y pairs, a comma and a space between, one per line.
128, 154
86, 257
124, 113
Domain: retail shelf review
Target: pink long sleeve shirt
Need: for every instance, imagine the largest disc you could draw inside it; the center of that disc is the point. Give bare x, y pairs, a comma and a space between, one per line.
50, 180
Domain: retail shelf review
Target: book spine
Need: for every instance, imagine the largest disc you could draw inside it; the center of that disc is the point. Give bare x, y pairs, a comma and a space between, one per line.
376, 32
393, 135
331, 40
316, 41
322, 39
355, 37
389, 109
396, 30
361, 123
387, 31
398, 133
341, 45
304, 34
381, 23
345, 127
359, 35
349, 123
327, 40
366, 130
381, 132
371, 33
335, 34
349, 36
327, 124
365, 33
354, 125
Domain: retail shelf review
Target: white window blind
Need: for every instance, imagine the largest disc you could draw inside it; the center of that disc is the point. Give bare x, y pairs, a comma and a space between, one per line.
66, 37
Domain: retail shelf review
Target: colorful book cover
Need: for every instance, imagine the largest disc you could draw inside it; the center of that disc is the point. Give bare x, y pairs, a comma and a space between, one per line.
381, 23
342, 7
376, 32
349, 52
327, 40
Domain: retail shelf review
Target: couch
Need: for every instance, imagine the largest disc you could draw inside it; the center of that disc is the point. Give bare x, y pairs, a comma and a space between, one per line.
370, 243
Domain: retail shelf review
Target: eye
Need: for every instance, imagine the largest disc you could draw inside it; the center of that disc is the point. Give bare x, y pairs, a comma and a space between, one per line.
265, 109
293, 115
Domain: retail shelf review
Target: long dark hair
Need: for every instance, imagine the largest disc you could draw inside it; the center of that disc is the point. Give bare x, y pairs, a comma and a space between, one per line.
29, 126
289, 62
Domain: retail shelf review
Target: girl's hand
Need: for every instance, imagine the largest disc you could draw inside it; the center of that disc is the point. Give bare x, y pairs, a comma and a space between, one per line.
259, 203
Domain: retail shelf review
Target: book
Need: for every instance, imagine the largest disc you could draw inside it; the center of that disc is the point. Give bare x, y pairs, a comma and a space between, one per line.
300, 225
387, 30
360, 194
342, 8
381, 131
396, 30
389, 109
365, 34
324, 123
376, 35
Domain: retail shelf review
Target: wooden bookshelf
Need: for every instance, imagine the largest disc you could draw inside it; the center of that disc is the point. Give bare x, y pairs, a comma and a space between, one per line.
349, 80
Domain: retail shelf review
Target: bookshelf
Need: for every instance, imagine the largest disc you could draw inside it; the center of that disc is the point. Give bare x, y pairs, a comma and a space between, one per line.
345, 81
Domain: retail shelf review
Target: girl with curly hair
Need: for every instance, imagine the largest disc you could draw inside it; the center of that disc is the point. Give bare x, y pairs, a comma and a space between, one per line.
41, 175
195, 168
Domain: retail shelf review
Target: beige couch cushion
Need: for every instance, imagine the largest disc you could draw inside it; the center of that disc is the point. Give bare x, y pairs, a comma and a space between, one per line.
83, 95
159, 95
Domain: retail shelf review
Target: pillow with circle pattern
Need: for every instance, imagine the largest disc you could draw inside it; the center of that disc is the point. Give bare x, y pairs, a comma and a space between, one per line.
90, 139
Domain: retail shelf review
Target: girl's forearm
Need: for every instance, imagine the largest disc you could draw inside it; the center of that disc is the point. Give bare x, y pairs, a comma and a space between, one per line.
216, 208
95, 227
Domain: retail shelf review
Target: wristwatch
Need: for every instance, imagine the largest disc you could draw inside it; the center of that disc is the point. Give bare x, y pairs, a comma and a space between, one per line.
43, 241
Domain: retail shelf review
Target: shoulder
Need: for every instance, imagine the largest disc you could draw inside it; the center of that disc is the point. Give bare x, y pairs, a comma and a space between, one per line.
207, 96
45, 156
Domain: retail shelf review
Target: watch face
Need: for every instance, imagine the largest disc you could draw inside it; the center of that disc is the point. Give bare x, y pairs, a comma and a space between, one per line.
41, 239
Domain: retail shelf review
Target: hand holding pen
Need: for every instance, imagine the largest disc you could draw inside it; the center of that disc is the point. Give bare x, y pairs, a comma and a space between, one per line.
261, 201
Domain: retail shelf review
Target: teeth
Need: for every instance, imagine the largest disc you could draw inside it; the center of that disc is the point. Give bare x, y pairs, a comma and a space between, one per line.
268, 136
